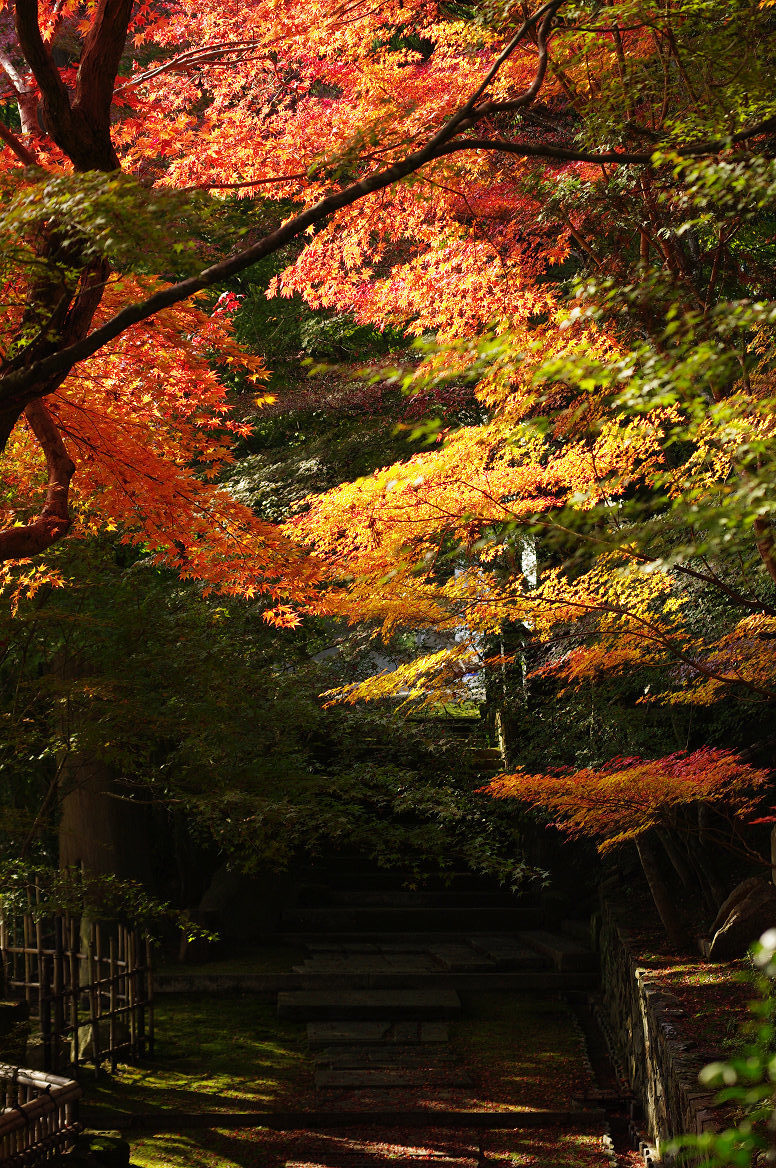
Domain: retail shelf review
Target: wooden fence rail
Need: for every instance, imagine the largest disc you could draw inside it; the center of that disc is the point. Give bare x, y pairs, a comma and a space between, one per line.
89, 987
39, 1115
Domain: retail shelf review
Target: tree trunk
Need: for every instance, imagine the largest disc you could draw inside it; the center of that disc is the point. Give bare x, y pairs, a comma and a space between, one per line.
678, 862
101, 831
704, 856
665, 903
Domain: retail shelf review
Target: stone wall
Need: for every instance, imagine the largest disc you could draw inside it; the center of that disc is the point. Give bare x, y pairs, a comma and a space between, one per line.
660, 1064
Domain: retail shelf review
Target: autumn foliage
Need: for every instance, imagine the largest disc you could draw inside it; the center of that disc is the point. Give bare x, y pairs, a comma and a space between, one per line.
628, 796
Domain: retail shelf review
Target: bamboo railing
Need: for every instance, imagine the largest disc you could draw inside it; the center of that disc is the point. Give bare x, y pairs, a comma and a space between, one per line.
39, 1115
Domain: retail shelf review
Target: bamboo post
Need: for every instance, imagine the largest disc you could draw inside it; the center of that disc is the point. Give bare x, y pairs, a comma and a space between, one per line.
97, 971
45, 976
140, 987
122, 984
150, 997
44, 987
93, 1006
4, 956
132, 1003
59, 989
113, 989
27, 951
73, 945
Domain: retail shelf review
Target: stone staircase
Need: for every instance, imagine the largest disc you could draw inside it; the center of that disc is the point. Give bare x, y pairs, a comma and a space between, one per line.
379, 983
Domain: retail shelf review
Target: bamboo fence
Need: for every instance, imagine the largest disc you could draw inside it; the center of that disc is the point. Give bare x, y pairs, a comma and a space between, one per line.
89, 987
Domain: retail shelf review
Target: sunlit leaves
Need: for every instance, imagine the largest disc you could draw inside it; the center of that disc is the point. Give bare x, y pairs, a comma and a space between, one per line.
626, 797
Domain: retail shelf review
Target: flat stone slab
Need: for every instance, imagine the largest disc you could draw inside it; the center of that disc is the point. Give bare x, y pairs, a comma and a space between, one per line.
351, 1033
382, 1077
324, 1033
389, 948
387, 1054
366, 963
347, 1005
565, 953
341, 947
463, 957
459, 919
508, 952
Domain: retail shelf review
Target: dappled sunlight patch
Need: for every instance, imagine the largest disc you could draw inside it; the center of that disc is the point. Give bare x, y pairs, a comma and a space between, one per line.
524, 1052
545, 1148
229, 1054
251, 1148
550, 1147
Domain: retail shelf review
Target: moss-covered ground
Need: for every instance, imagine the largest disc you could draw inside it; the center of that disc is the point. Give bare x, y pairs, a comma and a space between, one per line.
229, 1053
238, 959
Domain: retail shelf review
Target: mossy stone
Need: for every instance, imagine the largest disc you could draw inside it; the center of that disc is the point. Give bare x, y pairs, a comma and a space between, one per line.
106, 1149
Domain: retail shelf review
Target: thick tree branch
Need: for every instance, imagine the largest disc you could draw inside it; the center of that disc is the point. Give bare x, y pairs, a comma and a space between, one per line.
81, 130
26, 95
100, 62
54, 520
622, 157
191, 59
56, 100
18, 147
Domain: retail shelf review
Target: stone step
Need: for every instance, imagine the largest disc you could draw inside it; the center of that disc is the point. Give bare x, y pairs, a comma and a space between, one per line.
360, 920
579, 931
346, 876
384, 1054
405, 1033
543, 977
566, 954
368, 963
509, 952
377, 940
368, 1078
357, 897
462, 957
347, 1005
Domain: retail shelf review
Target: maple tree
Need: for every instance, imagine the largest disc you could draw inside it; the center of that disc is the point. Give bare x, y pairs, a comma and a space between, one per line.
304, 98
628, 797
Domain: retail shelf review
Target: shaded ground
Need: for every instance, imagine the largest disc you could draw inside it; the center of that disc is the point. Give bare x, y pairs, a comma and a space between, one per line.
539, 1148
234, 1054
238, 959
522, 1049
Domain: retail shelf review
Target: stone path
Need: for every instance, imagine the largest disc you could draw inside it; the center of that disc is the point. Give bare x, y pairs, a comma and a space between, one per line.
377, 1040
378, 989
